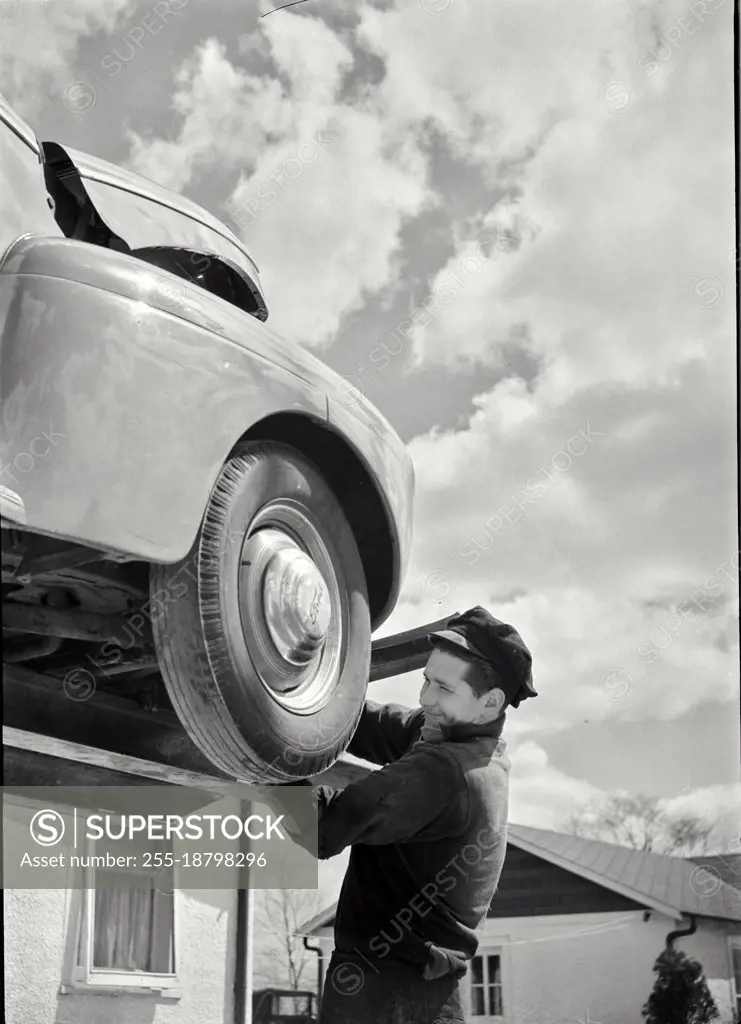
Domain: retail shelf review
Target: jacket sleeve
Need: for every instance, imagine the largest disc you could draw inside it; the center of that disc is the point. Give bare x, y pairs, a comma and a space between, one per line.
385, 732
417, 798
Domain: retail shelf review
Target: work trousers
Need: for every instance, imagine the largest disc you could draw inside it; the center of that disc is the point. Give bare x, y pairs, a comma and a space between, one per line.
357, 991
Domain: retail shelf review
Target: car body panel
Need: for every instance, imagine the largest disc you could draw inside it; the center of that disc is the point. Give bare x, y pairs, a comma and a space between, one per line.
145, 380
142, 402
387, 460
135, 209
146, 195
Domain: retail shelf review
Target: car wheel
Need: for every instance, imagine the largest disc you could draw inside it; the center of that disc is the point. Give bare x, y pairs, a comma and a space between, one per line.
266, 654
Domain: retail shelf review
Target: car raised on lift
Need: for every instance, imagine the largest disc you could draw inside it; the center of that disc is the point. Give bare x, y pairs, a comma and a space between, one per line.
196, 512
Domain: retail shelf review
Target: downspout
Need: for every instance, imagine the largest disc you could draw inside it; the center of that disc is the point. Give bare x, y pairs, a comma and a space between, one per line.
678, 932
243, 952
242, 964
319, 967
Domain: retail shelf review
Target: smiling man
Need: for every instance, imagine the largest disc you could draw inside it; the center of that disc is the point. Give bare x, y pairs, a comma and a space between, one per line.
427, 831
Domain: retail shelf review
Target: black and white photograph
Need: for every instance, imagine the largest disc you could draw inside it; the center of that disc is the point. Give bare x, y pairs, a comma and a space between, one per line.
369, 493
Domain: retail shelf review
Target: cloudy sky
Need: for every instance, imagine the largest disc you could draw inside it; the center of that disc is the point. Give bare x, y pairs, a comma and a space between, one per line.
530, 205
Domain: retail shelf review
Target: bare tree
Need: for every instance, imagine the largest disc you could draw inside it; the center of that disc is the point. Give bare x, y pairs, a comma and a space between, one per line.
281, 959
690, 836
638, 821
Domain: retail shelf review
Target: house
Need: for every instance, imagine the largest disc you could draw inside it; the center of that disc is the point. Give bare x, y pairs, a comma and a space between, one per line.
82, 947
88, 949
576, 925
103, 928
170, 960
727, 867
572, 935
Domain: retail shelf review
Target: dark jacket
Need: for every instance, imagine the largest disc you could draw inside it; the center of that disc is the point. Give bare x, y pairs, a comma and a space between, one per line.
428, 837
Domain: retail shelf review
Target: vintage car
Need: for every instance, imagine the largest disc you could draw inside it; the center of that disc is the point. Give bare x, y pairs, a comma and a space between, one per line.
283, 1006
188, 499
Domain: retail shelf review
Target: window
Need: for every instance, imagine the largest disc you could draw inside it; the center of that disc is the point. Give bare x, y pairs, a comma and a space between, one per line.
486, 986
735, 949
292, 1005
126, 928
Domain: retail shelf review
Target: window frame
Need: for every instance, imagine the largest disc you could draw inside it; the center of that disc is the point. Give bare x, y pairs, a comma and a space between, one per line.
85, 977
734, 942
485, 951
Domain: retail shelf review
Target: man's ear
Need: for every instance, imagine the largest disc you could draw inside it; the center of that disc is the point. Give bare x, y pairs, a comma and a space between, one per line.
494, 702
495, 698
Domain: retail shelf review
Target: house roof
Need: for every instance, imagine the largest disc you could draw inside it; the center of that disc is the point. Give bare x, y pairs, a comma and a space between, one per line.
670, 885
728, 866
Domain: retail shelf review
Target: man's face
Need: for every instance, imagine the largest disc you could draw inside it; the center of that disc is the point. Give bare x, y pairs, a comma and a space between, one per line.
446, 696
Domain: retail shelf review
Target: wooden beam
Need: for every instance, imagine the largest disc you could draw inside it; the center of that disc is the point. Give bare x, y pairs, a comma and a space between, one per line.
108, 760
403, 652
74, 625
22, 768
33, 759
40, 704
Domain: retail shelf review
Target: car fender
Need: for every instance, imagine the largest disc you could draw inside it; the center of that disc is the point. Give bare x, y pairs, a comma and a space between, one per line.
389, 465
123, 390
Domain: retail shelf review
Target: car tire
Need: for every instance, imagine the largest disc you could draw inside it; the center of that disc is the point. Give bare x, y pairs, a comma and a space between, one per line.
266, 654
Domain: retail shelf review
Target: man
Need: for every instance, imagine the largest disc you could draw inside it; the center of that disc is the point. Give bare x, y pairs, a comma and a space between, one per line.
427, 831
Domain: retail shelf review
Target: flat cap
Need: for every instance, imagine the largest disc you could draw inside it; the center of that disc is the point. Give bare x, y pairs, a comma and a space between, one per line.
497, 643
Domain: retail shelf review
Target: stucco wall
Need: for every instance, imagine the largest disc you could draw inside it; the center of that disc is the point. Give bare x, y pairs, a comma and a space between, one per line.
39, 943
710, 947
559, 968
556, 969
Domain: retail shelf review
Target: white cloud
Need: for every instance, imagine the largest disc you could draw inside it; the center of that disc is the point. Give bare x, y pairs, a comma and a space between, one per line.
220, 124
324, 188
325, 247
615, 214
590, 555
619, 212
231, 117
541, 796
525, 68
38, 46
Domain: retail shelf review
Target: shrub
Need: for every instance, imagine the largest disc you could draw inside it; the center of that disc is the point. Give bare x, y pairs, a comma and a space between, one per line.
680, 994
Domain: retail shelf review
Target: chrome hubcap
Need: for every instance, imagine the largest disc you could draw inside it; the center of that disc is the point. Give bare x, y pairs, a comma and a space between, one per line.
297, 604
291, 607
